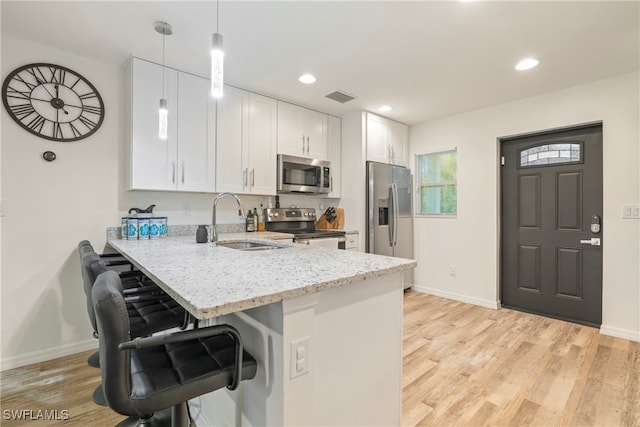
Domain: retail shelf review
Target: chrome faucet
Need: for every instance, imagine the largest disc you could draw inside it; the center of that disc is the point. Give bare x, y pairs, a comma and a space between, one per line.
214, 226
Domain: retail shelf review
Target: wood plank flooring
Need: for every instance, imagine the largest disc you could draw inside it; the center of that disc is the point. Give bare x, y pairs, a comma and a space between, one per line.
466, 365
463, 366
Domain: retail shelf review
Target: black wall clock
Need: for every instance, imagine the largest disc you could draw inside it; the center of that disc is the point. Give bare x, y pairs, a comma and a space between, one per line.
53, 102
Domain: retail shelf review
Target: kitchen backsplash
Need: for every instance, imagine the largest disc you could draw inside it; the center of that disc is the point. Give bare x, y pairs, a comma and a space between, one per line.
195, 208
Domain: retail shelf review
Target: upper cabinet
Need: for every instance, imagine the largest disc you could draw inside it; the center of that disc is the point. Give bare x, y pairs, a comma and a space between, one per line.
302, 132
246, 142
387, 141
334, 153
185, 161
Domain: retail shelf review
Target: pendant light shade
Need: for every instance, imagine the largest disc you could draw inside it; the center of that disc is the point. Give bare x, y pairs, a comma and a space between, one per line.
163, 119
163, 112
217, 65
217, 59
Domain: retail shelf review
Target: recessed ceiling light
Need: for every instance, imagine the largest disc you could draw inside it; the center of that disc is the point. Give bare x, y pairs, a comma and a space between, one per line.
385, 108
527, 64
307, 79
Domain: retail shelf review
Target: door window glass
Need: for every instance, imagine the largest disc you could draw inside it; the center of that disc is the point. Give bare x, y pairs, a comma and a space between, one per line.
551, 154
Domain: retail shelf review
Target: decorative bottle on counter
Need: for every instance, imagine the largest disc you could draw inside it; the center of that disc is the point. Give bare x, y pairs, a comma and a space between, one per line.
261, 223
251, 224
201, 234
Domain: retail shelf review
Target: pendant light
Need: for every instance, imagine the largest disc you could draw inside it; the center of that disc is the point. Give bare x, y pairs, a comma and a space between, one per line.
163, 125
217, 59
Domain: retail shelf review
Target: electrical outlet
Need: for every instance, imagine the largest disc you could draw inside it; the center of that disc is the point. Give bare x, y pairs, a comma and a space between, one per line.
186, 209
453, 271
299, 356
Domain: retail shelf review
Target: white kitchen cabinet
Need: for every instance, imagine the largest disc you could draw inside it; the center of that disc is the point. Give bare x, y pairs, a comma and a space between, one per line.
334, 154
387, 141
302, 132
185, 160
246, 142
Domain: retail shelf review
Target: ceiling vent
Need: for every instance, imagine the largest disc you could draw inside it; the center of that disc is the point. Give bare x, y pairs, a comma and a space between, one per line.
340, 97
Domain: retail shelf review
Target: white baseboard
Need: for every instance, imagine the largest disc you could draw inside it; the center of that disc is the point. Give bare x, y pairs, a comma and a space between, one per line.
458, 297
47, 354
626, 334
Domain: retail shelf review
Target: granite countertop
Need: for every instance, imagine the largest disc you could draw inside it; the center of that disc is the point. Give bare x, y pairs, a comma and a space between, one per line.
211, 281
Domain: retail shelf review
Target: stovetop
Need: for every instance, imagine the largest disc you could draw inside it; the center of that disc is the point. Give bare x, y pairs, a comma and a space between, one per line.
297, 221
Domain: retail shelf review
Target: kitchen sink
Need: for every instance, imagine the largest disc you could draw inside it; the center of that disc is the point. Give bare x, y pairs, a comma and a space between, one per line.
247, 245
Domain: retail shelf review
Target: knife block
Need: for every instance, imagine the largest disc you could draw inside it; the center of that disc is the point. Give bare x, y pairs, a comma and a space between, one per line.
337, 224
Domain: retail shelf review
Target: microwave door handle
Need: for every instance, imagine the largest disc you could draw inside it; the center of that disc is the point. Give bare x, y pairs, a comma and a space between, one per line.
394, 188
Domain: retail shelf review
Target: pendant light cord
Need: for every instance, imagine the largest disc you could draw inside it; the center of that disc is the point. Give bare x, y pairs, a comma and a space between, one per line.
217, 14
164, 33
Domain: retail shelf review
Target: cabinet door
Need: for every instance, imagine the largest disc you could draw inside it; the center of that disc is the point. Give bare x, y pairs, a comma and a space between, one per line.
334, 154
153, 160
315, 130
377, 144
196, 148
231, 140
398, 135
291, 138
261, 152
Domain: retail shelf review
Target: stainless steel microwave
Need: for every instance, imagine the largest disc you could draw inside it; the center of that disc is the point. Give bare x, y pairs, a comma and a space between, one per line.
302, 175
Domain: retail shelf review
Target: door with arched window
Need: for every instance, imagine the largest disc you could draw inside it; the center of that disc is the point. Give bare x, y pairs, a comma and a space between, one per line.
552, 231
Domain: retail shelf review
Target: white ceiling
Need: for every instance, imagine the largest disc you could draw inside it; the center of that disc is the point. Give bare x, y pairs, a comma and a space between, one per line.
427, 59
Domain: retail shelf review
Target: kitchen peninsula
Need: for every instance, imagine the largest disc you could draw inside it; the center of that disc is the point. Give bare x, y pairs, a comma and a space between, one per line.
325, 326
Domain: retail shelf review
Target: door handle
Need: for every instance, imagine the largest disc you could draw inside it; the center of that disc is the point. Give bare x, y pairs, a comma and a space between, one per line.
594, 241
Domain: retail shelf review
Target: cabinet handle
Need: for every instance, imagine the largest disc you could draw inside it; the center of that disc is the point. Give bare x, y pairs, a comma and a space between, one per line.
183, 168
331, 185
253, 174
244, 177
173, 172
302, 144
307, 144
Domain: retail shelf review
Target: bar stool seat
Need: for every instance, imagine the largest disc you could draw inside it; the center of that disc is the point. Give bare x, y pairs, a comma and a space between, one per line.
146, 375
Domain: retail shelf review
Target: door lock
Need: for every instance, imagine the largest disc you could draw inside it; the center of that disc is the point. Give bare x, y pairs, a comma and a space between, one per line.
595, 224
594, 241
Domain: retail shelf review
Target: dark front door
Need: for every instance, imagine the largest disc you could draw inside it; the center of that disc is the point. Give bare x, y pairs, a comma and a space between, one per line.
552, 231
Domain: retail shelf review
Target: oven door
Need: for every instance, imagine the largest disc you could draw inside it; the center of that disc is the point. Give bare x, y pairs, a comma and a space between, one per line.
324, 242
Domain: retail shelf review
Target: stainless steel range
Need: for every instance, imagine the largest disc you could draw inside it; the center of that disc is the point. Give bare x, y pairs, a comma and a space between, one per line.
301, 222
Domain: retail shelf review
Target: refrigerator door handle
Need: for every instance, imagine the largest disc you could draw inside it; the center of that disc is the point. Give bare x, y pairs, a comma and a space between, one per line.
393, 215
390, 219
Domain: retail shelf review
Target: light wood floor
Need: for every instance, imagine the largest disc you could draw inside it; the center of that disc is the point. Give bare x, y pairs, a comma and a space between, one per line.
463, 366
470, 366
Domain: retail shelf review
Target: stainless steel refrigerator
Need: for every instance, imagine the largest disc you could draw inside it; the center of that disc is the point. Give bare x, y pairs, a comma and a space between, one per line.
389, 214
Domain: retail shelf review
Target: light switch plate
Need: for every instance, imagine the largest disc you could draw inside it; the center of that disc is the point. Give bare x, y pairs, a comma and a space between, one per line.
631, 211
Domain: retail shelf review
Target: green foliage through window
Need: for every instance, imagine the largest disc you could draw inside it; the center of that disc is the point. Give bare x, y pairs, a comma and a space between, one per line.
437, 175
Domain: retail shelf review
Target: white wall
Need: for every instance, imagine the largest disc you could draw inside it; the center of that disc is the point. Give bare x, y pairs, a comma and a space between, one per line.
470, 241
50, 207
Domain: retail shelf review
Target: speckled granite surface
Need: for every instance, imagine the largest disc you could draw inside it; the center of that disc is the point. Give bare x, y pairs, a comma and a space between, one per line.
210, 281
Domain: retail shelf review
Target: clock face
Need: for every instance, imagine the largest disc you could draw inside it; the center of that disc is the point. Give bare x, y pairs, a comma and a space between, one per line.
53, 102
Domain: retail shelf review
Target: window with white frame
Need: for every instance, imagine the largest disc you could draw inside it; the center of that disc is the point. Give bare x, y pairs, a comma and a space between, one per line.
437, 183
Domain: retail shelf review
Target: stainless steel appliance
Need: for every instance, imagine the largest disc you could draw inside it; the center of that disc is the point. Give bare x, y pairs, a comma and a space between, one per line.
301, 175
389, 215
301, 222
